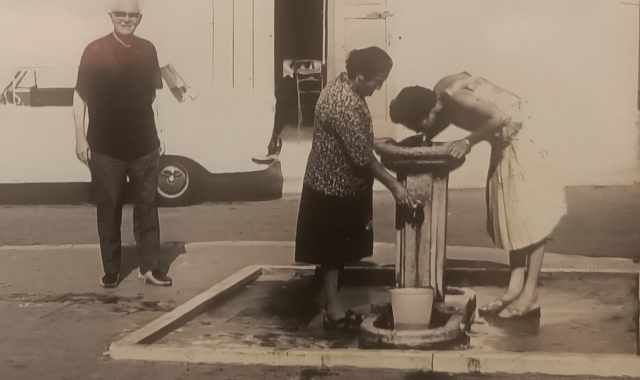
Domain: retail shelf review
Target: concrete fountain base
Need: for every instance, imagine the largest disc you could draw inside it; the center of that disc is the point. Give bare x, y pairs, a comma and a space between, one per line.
264, 315
450, 321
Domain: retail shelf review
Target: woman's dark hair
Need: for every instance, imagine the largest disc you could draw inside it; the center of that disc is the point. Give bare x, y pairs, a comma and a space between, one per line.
412, 105
369, 62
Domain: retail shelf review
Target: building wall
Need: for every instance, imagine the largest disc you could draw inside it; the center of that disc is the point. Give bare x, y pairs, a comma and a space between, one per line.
228, 42
575, 61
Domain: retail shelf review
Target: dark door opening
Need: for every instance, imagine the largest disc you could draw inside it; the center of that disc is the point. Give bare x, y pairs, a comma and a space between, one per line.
299, 35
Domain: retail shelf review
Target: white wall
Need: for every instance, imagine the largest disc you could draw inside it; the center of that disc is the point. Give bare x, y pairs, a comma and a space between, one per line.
575, 60
55, 32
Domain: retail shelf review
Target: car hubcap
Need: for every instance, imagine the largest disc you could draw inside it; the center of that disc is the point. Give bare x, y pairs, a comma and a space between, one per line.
173, 182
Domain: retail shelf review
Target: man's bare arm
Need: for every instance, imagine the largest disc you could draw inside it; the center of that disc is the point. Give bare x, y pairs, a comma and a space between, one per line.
439, 125
159, 126
490, 118
446, 87
81, 121
487, 120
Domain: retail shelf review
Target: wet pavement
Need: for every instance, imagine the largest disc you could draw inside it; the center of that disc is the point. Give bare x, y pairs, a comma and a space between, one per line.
582, 313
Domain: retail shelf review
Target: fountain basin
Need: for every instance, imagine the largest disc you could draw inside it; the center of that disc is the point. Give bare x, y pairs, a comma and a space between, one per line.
415, 156
449, 323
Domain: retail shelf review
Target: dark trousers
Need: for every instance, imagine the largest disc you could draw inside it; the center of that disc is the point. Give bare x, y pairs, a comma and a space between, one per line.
108, 177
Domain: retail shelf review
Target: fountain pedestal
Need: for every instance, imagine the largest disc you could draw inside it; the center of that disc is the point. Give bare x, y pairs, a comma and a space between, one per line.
421, 233
421, 247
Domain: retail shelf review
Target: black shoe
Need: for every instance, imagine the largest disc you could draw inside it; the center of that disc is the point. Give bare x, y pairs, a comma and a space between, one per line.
350, 321
157, 278
268, 159
109, 281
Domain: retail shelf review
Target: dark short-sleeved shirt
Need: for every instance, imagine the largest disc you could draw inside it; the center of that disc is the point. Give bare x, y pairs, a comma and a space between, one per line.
119, 85
342, 143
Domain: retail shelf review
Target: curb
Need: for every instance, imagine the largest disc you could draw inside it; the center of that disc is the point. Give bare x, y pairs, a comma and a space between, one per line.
558, 364
555, 364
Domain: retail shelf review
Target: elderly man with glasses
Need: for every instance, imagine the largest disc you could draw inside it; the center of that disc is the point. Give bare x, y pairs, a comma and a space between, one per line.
116, 137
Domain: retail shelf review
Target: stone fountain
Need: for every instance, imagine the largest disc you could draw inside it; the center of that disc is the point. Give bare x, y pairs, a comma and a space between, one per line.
421, 244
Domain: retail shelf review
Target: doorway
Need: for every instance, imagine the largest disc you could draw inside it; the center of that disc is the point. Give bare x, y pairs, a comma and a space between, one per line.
299, 35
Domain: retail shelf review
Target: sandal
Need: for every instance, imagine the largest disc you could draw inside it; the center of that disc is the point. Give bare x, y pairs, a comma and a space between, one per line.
513, 313
350, 321
493, 307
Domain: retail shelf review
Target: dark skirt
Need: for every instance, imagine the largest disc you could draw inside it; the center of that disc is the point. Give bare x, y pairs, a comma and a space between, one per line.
334, 230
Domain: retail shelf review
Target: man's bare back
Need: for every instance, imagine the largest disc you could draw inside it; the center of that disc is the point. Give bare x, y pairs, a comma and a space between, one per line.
470, 102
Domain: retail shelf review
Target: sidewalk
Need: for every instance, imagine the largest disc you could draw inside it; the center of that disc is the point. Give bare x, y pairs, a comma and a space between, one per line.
69, 268
43, 272
57, 322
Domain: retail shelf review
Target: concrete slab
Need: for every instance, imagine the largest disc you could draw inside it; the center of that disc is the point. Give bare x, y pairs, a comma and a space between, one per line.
284, 348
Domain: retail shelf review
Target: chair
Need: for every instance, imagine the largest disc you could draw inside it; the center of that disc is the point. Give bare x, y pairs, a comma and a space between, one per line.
309, 80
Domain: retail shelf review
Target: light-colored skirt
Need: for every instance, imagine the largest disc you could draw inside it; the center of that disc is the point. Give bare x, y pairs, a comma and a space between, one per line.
525, 198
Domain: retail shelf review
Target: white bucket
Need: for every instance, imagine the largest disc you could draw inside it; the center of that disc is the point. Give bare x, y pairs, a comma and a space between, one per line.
411, 307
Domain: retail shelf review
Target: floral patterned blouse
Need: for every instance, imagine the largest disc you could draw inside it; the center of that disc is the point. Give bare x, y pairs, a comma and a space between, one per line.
342, 142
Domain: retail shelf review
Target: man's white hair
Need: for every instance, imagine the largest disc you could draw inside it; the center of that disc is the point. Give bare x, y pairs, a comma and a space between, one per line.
115, 5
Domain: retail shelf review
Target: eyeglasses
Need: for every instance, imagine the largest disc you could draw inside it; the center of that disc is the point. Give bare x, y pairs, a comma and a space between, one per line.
120, 14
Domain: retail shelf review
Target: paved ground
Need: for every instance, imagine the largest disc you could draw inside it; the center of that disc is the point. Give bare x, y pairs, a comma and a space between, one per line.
57, 323
602, 221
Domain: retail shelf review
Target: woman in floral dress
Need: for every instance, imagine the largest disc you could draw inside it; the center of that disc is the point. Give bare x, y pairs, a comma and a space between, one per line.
335, 215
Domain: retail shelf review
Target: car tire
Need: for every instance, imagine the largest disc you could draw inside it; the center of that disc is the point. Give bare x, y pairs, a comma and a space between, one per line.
177, 181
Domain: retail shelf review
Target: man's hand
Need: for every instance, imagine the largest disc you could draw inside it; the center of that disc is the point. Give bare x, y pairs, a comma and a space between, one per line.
458, 148
83, 152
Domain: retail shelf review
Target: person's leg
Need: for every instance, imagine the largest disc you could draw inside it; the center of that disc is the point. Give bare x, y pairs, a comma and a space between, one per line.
517, 263
330, 278
143, 173
108, 178
528, 298
275, 144
336, 316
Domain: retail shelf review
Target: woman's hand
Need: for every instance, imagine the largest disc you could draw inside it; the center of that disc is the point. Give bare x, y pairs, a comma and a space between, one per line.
402, 196
383, 140
458, 148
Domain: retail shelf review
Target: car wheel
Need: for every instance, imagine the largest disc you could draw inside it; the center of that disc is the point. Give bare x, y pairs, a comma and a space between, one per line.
176, 181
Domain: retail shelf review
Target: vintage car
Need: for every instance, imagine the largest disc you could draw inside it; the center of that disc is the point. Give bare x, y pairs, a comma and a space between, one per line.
208, 136
31, 86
